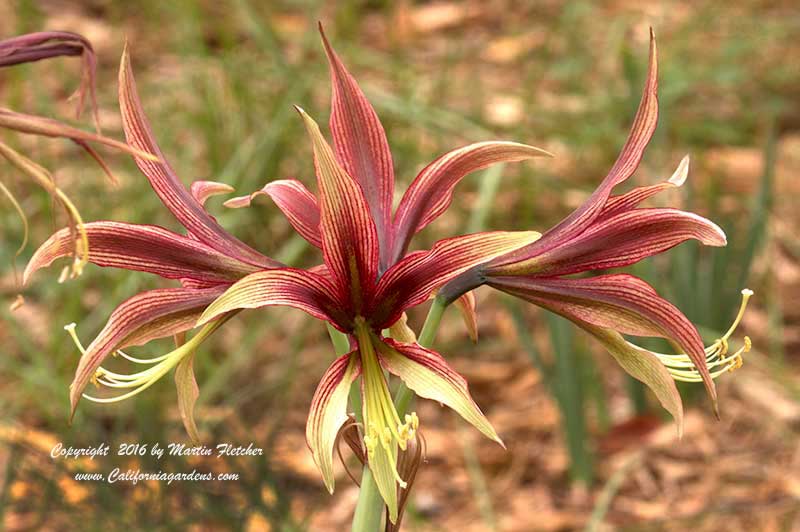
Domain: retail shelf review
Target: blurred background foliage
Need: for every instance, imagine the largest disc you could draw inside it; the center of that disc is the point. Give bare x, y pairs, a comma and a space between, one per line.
588, 448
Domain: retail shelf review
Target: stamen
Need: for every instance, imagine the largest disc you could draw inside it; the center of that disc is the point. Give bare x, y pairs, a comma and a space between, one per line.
142, 380
718, 360
385, 431
141, 360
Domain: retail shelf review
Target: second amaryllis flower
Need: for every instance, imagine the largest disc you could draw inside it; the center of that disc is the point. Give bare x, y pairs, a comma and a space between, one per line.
610, 231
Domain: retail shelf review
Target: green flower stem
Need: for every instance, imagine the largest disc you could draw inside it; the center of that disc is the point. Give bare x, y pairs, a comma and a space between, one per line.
369, 508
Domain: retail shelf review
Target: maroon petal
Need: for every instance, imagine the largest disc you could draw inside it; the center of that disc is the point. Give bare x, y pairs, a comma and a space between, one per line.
625, 239
631, 199
145, 248
144, 317
644, 125
299, 205
412, 280
620, 302
361, 146
295, 201
350, 242
431, 192
290, 287
165, 182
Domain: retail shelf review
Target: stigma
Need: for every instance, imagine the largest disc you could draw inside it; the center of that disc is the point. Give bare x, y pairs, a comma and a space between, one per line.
718, 358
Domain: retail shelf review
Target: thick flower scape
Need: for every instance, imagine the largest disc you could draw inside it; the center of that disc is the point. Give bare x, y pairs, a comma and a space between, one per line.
368, 279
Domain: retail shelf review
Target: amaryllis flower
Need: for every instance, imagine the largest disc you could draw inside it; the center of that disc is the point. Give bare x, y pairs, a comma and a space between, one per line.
609, 231
368, 279
206, 261
352, 294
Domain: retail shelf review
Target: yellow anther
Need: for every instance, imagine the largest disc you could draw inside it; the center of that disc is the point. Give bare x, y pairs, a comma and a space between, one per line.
17, 303
738, 358
370, 443
405, 432
413, 420
718, 360
722, 348
386, 438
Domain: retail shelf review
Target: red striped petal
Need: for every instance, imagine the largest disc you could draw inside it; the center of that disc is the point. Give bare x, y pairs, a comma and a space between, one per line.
291, 287
144, 317
361, 146
412, 280
631, 199
644, 125
625, 239
349, 237
620, 302
145, 248
295, 201
165, 182
328, 412
202, 190
430, 376
300, 207
431, 192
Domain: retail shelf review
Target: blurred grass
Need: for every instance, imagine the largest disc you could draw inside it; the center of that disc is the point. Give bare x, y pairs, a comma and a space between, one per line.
218, 83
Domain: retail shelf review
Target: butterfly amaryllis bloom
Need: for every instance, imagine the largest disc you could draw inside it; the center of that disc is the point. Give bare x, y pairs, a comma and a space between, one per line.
609, 231
369, 279
206, 261
351, 293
